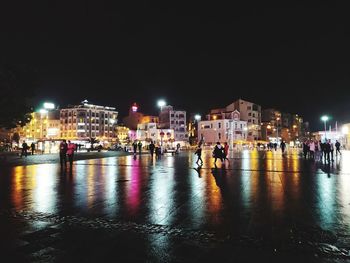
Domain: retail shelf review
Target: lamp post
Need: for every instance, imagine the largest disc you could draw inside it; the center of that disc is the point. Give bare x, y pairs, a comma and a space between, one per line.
277, 119
197, 119
325, 118
161, 104
268, 127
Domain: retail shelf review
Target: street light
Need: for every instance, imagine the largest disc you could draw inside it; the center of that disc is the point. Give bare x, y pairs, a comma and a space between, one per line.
277, 119
161, 104
268, 127
325, 118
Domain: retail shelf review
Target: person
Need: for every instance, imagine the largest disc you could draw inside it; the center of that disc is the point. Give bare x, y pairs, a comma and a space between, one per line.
305, 149
63, 153
139, 145
217, 153
24, 149
283, 146
134, 145
158, 151
312, 150
225, 152
327, 147
178, 147
151, 148
199, 155
70, 152
337, 147
331, 150
32, 147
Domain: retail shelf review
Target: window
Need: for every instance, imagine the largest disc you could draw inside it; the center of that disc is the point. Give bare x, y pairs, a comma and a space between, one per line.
254, 115
249, 107
249, 114
219, 136
219, 125
249, 120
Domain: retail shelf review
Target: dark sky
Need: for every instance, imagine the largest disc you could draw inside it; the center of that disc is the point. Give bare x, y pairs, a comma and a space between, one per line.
200, 56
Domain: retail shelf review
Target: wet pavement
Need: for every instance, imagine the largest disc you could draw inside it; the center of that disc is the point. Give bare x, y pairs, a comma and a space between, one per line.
260, 206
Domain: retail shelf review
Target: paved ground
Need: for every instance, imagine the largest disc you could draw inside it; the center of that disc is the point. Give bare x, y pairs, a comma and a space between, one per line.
13, 158
262, 206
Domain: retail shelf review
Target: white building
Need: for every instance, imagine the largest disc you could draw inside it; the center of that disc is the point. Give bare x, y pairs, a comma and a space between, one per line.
226, 127
251, 113
147, 132
174, 120
85, 121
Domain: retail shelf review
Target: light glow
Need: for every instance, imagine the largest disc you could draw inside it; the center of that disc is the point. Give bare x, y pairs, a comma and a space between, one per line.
161, 103
49, 106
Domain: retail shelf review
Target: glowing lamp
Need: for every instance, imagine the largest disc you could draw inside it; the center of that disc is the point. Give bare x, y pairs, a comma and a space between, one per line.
197, 117
325, 118
49, 106
161, 103
134, 107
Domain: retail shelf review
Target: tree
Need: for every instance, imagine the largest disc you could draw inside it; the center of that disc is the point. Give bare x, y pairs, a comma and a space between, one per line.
15, 137
92, 141
17, 86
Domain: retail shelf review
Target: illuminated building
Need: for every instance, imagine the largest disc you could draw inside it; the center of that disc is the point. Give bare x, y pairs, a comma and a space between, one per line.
135, 117
289, 127
84, 121
122, 134
147, 132
223, 127
251, 113
174, 120
44, 125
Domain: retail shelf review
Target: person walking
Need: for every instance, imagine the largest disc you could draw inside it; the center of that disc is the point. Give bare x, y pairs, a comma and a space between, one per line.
199, 155
331, 150
283, 146
70, 153
312, 150
151, 148
327, 147
217, 153
63, 153
24, 149
32, 147
134, 145
139, 145
225, 153
178, 146
337, 147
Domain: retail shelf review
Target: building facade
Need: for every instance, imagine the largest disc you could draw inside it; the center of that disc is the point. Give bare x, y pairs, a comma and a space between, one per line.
223, 127
44, 125
135, 118
85, 121
147, 132
251, 113
174, 120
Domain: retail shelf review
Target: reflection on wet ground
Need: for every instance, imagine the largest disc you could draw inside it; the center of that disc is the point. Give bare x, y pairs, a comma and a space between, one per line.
280, 206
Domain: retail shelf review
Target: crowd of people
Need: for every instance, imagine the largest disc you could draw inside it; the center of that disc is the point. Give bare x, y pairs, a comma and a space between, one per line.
319, 151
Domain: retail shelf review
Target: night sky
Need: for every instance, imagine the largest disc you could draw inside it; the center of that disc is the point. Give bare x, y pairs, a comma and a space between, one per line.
200, 56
